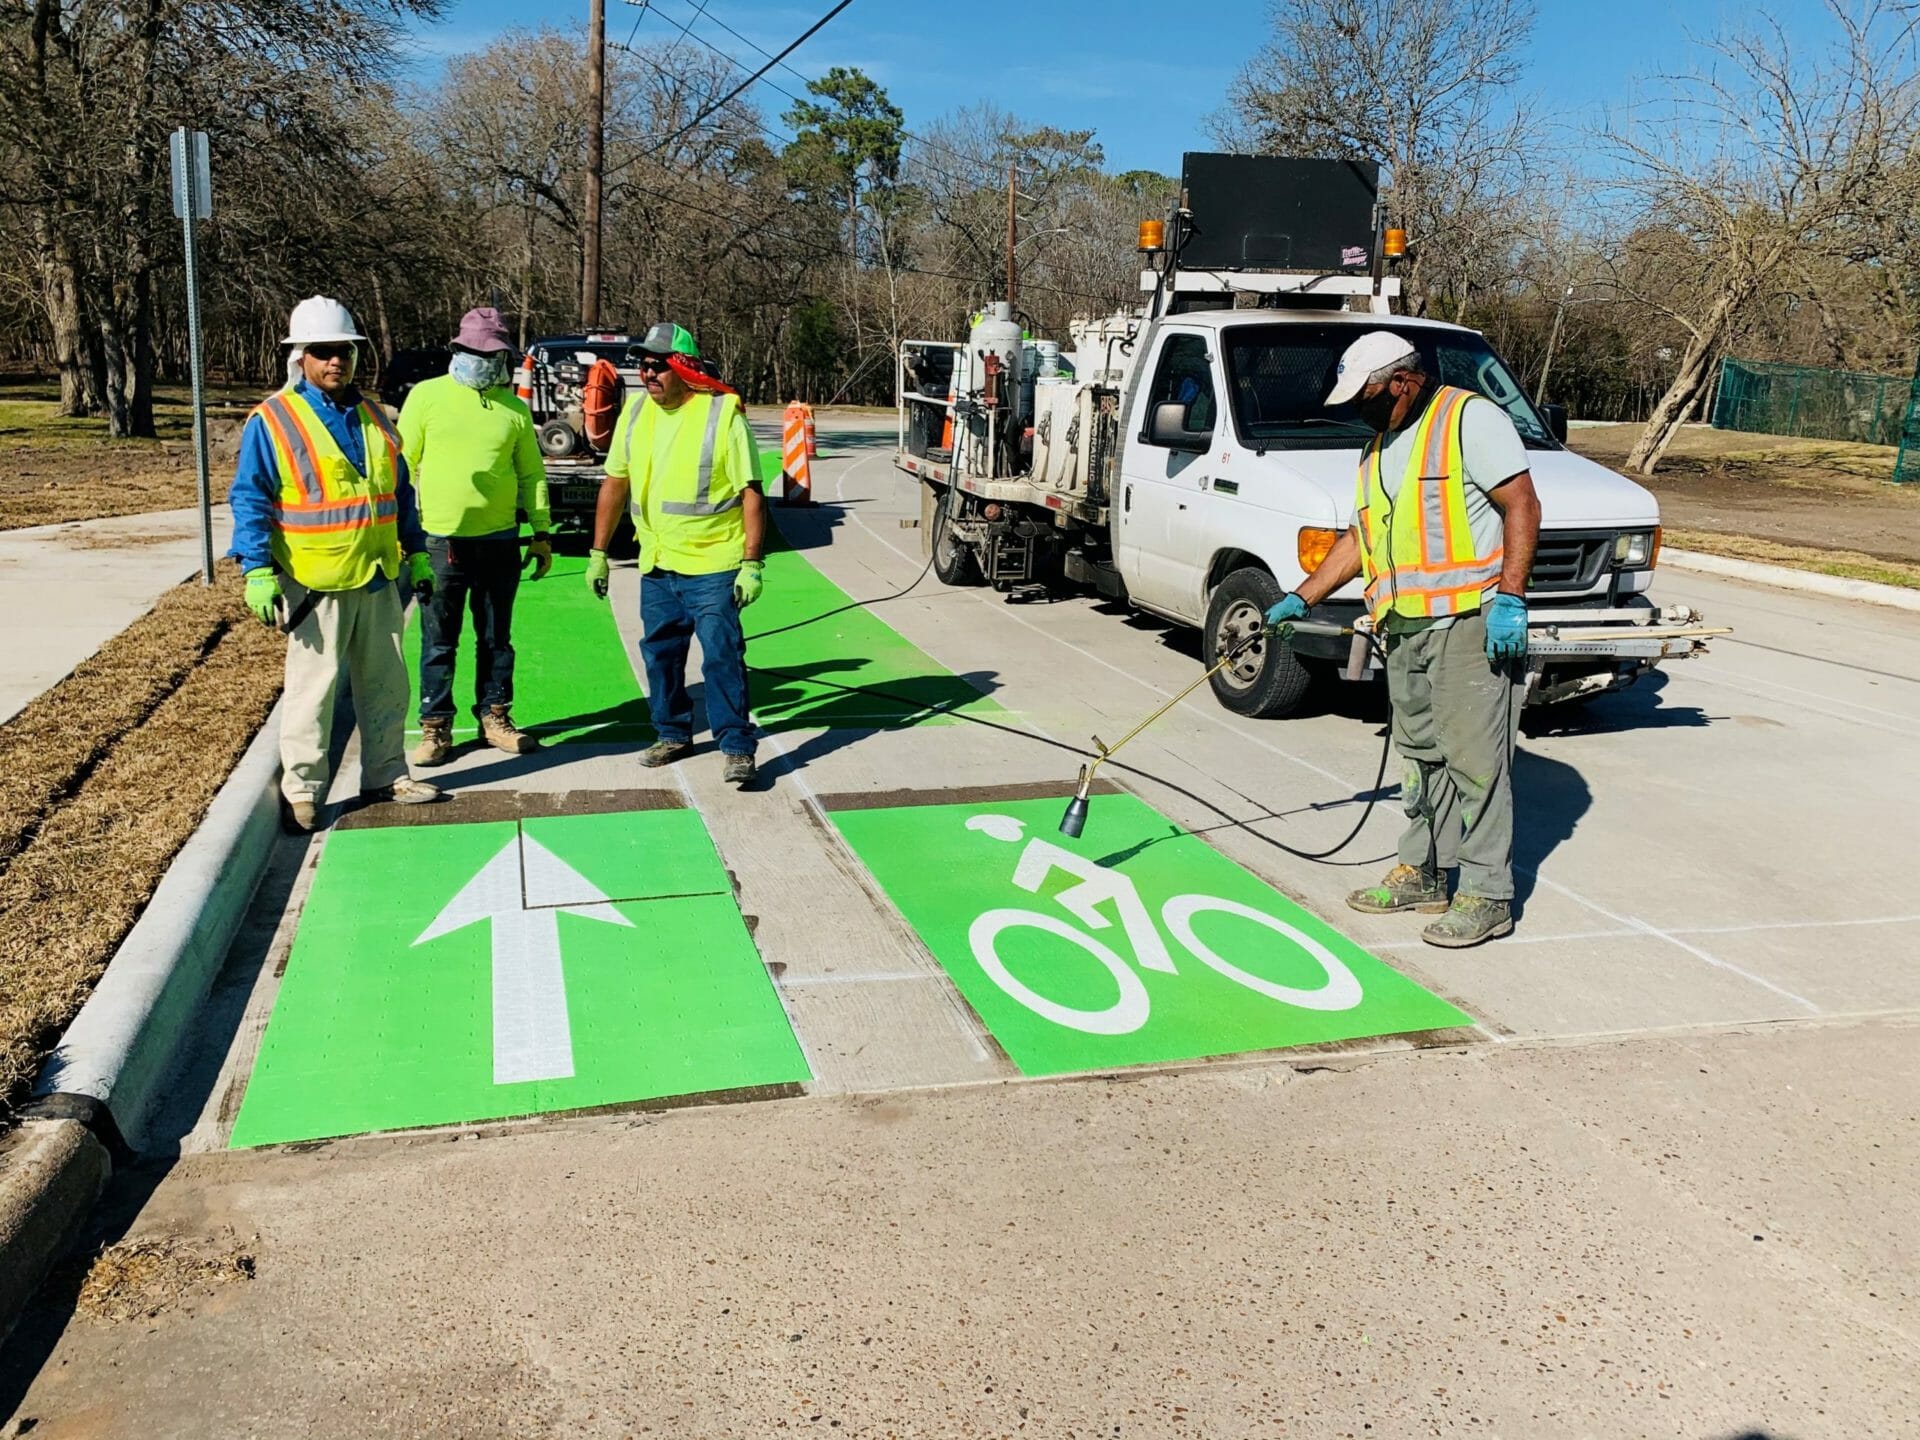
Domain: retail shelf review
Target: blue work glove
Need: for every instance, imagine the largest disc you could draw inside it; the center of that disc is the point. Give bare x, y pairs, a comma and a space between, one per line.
1506, 628
1290, 607
420, 576
263, 595
597, 572
749, 582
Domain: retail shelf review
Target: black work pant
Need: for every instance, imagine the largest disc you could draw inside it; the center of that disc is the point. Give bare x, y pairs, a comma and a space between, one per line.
477, 576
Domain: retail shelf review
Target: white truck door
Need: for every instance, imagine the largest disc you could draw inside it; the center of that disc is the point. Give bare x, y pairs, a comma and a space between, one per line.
1163, 485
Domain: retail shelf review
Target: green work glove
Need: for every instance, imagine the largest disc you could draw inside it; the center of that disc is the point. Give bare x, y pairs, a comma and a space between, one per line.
597, 572
749, 582
1290, 607
1506, 628
420, 576
540, 556
263, 595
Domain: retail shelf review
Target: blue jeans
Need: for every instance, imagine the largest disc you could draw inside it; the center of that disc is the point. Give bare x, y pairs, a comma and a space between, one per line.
673, 609
480, 575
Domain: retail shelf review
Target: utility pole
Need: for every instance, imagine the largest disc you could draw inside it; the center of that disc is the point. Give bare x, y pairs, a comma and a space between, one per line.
596, 161
1012, 173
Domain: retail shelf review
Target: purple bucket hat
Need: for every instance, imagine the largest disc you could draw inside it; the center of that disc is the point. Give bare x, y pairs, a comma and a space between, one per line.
483, 332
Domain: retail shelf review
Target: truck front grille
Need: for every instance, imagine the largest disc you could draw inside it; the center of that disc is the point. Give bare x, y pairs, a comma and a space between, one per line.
1570, 560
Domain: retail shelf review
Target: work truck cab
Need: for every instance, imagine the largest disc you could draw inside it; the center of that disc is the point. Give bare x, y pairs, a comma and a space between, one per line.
1182, 459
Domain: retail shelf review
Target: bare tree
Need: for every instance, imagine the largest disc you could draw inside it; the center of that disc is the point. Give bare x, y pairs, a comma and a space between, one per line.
1749, 167
1426, 88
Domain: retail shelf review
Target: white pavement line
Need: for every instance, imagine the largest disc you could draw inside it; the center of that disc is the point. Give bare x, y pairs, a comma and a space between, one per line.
1792, 925
1785, 699
1694, 950
1568, 938
1907, 719
880, 978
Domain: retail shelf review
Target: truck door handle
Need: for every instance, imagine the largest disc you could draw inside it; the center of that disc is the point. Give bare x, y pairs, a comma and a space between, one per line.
1126, 498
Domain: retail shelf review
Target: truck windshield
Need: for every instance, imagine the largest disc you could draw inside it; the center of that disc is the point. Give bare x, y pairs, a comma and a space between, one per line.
1279, 375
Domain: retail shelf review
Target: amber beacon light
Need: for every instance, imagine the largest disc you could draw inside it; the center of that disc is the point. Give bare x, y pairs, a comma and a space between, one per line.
1153, 235
1396, 243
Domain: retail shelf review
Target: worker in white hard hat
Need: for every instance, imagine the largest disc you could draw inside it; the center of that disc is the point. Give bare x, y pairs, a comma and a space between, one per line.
1445, 524
324, 525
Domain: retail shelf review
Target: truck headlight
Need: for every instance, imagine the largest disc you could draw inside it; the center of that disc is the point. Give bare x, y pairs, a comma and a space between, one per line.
1636, 549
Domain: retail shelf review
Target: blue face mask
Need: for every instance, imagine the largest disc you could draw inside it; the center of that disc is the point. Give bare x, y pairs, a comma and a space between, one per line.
478, 372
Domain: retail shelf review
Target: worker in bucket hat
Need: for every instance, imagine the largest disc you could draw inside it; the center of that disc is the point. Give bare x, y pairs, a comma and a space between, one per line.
475, 456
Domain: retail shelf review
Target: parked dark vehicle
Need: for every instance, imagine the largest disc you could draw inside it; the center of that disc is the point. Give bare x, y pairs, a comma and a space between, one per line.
407, 368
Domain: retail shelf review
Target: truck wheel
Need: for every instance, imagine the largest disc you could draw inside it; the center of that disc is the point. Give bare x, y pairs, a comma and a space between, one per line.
558, 440
954, 561
1268, 680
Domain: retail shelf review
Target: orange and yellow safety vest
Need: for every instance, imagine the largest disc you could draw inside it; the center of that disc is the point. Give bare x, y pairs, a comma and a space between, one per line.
1417, 552
332, 527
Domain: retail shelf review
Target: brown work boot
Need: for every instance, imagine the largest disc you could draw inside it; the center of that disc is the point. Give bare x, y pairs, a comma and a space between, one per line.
436, 741
663, 752
404, 791
498, 730
1471, 920
302, 816
1405, 888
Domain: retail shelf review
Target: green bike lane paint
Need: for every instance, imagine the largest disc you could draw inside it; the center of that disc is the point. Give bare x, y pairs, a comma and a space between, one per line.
1136, 944
551, 963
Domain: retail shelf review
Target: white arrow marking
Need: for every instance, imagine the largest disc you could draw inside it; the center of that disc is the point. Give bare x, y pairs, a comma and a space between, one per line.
531, 1037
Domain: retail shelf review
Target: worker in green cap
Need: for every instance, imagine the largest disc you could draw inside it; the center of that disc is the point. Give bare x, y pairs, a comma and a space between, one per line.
683, 461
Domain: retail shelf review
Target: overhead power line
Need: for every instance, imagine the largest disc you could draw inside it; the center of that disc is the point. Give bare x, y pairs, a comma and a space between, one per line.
716, 105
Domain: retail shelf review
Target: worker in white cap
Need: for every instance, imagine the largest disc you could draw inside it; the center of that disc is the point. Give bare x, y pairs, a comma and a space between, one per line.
1445, 524
324, 524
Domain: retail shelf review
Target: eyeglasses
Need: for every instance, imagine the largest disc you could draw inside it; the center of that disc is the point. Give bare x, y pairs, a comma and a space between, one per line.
653, 362
331, 350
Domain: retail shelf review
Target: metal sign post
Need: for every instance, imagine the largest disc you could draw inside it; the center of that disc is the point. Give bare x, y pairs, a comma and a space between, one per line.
193, 200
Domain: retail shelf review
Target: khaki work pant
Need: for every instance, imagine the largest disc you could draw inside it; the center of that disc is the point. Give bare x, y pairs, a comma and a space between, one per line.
1455, 716
355, 633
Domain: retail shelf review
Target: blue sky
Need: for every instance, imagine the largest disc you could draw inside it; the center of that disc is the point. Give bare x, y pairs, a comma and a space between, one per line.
1132, 72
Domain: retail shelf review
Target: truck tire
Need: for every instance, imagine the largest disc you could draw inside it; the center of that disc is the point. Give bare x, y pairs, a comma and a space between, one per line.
954, 561
1269, 680
558, 440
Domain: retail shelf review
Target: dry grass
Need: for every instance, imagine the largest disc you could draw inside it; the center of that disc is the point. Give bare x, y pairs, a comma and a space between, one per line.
102, 779
1846, 564
138, 1279
55, 469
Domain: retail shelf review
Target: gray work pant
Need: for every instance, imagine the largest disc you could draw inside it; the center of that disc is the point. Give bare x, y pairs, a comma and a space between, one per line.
1455, 716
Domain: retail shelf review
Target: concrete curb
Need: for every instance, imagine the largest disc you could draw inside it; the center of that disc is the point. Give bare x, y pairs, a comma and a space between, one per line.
51, 1172
1783, 577
99, 1086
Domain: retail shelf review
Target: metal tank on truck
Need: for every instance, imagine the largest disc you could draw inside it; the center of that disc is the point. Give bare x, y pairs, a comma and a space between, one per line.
1184, 462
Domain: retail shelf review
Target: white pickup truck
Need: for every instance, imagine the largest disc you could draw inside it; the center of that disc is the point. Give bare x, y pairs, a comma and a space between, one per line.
1189, 468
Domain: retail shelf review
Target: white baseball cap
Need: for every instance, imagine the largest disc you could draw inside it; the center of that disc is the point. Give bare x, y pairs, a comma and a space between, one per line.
1372, 351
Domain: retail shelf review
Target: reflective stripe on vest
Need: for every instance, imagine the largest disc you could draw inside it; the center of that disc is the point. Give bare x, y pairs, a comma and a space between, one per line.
1419, 560
702, 503
333, 528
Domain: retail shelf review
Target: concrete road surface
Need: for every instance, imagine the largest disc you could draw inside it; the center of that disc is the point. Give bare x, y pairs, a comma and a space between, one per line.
1661, 1184
68, 589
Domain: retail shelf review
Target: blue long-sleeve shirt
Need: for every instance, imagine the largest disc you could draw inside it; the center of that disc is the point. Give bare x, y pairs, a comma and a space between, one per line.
256, 481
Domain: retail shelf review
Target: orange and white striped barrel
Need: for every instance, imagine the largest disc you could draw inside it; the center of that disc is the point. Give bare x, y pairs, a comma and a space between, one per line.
796, 455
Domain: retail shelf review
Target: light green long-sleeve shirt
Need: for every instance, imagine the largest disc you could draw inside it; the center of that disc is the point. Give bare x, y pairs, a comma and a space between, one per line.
475, 458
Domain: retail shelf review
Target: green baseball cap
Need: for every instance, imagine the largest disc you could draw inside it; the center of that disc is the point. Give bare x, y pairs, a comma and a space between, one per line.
667, 338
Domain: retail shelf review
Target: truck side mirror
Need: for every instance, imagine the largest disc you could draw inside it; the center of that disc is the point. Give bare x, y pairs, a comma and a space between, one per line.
1168, 427
1556, 418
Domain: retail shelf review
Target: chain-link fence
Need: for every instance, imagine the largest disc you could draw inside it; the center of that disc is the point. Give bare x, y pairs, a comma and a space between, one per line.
1773, 399
1906, 465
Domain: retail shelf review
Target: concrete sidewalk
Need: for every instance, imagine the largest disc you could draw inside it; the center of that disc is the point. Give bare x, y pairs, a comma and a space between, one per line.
67, 589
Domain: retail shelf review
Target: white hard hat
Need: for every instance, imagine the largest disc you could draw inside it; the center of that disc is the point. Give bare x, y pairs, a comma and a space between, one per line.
318, 319
1372, 351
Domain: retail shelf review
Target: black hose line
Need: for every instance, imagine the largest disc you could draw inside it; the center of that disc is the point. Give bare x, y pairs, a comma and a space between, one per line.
1318, 857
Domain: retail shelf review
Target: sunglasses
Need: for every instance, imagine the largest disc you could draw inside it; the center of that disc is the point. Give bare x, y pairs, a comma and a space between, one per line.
329, 351
652, 362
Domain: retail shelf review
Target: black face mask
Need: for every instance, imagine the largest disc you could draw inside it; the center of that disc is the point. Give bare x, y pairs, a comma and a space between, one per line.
1376, 411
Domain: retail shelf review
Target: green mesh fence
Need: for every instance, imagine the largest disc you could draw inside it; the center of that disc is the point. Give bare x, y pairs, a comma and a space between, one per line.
1906, 469
1771, 399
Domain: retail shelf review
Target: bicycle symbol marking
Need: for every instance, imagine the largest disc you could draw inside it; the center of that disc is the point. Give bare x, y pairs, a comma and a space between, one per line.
1097, 885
